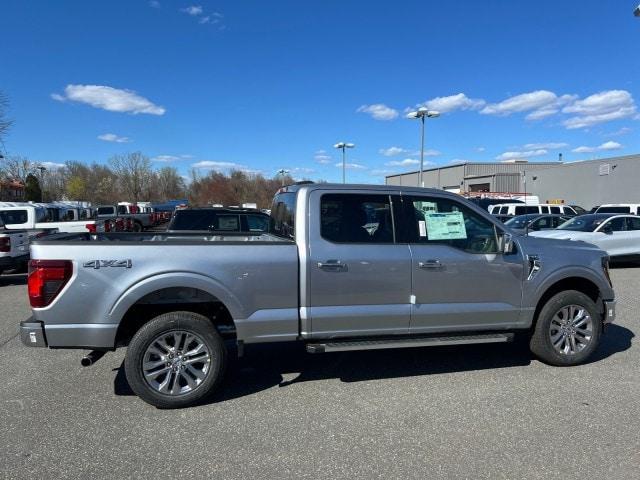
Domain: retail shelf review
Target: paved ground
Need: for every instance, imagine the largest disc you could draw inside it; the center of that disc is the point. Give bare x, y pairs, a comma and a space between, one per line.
467, 412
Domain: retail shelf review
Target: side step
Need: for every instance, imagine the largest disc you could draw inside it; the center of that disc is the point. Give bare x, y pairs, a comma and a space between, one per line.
406, 342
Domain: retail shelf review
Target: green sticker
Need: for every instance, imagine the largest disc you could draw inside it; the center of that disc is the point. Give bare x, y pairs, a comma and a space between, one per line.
445, 226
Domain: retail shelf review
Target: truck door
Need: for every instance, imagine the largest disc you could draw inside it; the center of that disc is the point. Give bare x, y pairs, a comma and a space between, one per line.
359, 276
460, 279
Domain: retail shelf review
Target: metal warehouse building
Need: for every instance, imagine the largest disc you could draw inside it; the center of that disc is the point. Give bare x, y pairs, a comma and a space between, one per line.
586, 183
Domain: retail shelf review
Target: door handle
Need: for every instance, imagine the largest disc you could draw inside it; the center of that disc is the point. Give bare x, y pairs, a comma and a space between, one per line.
332, 265
431, 264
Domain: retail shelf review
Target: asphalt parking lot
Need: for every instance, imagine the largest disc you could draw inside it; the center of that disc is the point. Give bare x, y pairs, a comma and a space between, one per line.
464, 412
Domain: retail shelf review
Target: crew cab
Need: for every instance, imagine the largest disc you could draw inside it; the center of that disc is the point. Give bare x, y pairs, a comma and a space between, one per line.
36, 218
139, 220
344, 267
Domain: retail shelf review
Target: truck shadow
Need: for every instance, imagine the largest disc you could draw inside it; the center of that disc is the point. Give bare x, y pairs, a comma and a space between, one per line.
13, 279
267, 366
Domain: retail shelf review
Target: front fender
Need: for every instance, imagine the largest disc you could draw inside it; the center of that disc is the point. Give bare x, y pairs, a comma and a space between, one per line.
172, 280
574, 271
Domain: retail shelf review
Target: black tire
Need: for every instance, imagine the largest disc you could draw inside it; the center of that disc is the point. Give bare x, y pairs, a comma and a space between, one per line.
541, 344
167, 323
137, 227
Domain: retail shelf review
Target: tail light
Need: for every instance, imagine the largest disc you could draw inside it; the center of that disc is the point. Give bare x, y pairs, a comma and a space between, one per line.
5, 244
91, 227
46, 279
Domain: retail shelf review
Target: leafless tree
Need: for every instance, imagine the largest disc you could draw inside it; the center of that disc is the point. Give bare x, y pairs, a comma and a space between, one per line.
133, 172
5, 123
16, 167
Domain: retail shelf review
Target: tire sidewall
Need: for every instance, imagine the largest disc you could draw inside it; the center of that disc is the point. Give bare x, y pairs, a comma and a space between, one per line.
541, 343
165, 323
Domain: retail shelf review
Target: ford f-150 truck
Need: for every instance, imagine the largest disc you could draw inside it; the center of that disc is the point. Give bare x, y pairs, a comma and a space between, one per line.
344, 267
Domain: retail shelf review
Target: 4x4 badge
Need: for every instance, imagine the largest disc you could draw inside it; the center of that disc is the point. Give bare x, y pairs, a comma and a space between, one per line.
107, 263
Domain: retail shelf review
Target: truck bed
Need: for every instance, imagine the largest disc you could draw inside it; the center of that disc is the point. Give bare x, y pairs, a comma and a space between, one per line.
155, 237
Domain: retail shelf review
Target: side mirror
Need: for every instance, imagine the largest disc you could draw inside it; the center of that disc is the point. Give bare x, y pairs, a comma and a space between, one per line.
506, 243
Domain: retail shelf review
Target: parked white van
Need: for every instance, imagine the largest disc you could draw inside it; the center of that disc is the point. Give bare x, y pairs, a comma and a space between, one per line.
522, 209
631, 208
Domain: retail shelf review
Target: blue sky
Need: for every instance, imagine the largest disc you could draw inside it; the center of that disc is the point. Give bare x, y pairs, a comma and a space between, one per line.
267, 85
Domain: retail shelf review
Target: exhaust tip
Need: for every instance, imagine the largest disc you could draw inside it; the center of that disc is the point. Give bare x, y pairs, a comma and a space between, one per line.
92, 357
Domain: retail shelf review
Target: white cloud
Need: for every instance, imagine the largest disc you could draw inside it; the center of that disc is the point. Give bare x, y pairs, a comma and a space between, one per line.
193, 10
454, 102
392, 151
600, 148
546, 146
302, 170
51, 165
403, 163
166, 158
480, 149
154, 3
322, 157
215, 165
541, 103
599, 108
109, 98
379, 111
522, 154
381, 172
620, 132
112, 137
352, 166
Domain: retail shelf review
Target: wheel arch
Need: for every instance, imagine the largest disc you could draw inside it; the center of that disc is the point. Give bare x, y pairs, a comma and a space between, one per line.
174, 292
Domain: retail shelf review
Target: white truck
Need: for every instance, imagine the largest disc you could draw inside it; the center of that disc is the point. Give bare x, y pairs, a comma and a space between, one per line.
14, 248
26, 216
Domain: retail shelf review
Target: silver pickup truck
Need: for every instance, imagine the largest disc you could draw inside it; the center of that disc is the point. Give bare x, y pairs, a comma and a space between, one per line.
344, 267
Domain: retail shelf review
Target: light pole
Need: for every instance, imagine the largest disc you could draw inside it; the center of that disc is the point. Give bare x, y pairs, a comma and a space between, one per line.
636, 12
422, 113
343, 146
282, 172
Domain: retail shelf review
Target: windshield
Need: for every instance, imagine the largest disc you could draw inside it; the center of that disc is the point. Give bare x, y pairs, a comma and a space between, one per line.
520, 221
583, 223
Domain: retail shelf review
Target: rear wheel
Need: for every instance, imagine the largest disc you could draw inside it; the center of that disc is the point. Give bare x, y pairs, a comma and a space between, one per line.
175, 360
568, 329
137, 227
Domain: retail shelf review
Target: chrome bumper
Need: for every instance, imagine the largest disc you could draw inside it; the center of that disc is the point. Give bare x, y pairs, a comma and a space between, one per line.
609, 311
32, 333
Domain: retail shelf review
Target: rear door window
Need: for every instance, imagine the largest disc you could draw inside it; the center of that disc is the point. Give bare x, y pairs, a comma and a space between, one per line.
258, 223
353, 218
555, 210
14, 217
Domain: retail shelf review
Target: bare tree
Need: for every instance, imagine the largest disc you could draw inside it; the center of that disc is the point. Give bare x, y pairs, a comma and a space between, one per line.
169, 185
133, 172
5, 123
17, 167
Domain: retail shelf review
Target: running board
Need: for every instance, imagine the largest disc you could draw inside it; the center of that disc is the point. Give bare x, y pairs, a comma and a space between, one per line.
406, 342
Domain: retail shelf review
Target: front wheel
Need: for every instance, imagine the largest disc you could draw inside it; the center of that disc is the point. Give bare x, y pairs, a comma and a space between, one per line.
568, 329
175, 360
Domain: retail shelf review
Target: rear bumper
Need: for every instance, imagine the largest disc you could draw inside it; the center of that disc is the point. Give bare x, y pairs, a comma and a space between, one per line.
609, 311
85, 335
32, 333
13, 262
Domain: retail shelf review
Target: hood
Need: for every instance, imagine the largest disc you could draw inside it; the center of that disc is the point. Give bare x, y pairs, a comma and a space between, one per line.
532, 242
560, 234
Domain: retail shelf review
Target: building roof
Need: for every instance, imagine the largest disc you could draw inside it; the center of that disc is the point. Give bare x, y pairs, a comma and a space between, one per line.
454, 165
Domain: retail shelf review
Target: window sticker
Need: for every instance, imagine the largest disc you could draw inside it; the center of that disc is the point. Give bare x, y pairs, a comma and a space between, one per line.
426, 207
446, 226
422, 225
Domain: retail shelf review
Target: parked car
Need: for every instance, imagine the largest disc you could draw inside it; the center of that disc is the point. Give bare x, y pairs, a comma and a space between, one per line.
534, 222
219, 220
618, 235
619, 208
35, 219
520, 209
344, 267
119, 214
578, 209
14, 248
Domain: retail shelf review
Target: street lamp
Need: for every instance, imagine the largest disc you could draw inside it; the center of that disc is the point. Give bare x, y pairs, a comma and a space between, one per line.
282, 172
636, 12
343, 146
422, 113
